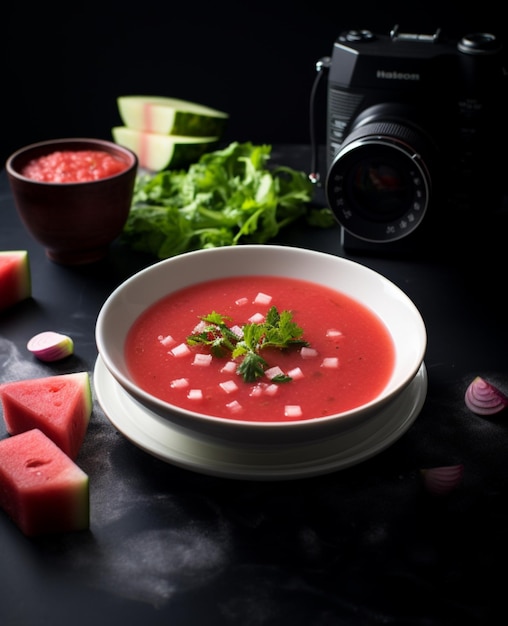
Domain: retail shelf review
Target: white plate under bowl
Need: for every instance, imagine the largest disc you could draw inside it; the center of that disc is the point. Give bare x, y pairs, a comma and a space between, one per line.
159, 438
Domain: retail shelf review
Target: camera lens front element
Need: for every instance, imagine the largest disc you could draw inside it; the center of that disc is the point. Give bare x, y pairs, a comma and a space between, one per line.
378, 185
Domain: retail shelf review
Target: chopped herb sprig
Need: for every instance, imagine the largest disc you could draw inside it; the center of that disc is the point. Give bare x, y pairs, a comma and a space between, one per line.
278, 331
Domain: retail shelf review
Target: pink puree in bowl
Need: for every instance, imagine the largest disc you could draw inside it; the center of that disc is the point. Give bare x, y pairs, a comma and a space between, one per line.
74, 166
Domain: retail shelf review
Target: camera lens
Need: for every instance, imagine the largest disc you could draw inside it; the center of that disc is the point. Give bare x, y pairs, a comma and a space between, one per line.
378, 185
379, 188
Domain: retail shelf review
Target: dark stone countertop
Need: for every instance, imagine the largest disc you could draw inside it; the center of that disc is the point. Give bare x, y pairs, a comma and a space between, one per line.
365, 545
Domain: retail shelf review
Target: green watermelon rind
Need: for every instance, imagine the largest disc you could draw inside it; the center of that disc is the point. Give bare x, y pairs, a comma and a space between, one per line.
193, 125
15, 280
157, 152
171, 116
20, 416
41, 488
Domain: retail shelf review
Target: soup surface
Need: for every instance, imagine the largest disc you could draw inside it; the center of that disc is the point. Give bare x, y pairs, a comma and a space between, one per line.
347, 362
74, 166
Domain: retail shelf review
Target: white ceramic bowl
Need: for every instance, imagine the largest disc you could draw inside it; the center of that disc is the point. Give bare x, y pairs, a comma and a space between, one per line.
390, 303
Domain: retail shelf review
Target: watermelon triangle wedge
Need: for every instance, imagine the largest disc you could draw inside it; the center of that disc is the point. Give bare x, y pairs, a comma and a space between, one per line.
15, 277
60, 406
41, 489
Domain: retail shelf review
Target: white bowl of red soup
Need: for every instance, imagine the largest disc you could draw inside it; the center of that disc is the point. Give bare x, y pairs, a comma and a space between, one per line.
261, 343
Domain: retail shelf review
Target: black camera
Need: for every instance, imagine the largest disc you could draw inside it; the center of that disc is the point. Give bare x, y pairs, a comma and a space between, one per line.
413, 122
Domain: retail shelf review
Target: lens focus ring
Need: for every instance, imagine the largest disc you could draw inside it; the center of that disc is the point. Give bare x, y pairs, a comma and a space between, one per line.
379, 184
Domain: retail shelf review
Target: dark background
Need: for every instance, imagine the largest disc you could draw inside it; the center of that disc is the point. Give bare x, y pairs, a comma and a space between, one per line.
64, 68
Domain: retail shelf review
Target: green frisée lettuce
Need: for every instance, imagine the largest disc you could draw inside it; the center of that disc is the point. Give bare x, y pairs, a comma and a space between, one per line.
228, 197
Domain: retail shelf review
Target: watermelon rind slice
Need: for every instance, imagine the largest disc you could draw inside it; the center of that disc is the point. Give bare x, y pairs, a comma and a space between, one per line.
171, 116
158, 152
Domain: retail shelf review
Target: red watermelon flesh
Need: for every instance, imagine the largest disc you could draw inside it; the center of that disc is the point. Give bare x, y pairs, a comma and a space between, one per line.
41, 488
15, 278
60, 406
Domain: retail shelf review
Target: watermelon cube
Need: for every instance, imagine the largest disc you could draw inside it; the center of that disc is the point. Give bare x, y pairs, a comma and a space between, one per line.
60, 406
41, 489
15, 277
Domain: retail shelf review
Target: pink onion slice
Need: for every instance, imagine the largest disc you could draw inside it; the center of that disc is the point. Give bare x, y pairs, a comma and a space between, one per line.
442, 480
483, 398
50, 346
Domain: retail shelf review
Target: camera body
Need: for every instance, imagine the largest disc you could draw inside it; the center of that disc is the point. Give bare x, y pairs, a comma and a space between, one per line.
412, 127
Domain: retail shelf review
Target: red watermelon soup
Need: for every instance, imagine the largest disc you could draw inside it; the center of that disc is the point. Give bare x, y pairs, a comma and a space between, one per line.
345, 358
74, 166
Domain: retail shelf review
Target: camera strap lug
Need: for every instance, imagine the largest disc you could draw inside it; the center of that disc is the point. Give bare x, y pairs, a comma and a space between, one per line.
321, 67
